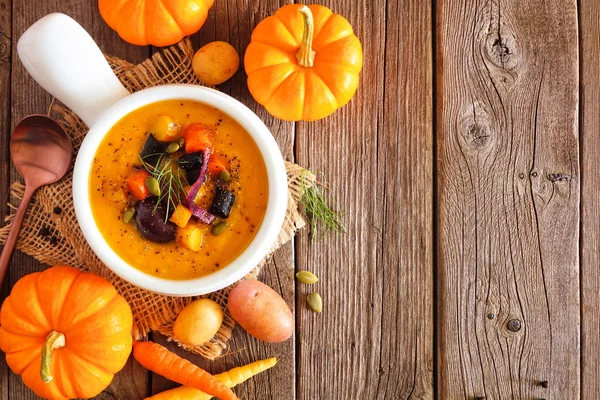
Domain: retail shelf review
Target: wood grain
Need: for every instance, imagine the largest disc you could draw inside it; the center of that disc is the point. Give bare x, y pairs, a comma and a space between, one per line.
236, 20
508, 199
27, 98
373, 339
589, 14
5, 72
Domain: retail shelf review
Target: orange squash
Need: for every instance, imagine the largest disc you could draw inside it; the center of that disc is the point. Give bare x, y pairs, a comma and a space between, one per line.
303, 62
65, 332
156, 22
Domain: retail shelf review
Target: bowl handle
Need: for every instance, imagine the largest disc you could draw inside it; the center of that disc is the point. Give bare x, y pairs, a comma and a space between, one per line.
64, 59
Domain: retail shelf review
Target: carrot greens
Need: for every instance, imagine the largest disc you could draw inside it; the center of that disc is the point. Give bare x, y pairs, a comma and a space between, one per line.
317, 210
170, 177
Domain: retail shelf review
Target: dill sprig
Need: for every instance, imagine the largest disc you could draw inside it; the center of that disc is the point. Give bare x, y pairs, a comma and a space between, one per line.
317, 210
171, 180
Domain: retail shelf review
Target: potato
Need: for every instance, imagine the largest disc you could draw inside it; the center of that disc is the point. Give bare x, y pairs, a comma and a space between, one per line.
261, 311
215, 62
164, 128
198, 322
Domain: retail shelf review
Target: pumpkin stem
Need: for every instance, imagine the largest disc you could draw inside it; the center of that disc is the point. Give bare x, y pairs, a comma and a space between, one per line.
306, 55
54, 340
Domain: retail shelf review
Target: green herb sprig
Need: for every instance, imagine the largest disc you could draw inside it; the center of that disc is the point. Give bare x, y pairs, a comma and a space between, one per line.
170, 178
317, 210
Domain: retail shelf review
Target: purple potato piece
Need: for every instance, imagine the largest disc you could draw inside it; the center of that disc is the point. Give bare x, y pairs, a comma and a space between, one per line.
151, 224
152, 150
191, 164
222, 203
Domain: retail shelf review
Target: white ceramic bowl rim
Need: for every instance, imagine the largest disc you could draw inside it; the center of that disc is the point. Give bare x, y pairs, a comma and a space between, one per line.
276, 202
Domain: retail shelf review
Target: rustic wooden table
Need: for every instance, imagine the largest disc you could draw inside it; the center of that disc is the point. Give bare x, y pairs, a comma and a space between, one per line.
468, 168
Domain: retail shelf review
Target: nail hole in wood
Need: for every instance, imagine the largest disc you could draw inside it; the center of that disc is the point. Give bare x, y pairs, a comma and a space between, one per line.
534, 174
521, 175
491, 315
514, 325
544, 384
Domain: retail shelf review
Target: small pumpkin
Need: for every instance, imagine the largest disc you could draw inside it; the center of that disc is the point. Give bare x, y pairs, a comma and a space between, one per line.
65, 332
303, 63
156, 22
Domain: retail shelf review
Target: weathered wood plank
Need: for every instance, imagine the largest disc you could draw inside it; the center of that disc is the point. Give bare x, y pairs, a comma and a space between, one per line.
233, 21
5, 72
508, 199
374, 339
589, 14
28, 97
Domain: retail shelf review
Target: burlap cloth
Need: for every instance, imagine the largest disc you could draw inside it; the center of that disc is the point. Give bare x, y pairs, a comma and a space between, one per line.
51, 234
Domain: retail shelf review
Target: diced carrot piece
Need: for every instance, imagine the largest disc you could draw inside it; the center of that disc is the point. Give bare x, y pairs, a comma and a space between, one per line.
198, 137
136, 184
216, 164
181, 216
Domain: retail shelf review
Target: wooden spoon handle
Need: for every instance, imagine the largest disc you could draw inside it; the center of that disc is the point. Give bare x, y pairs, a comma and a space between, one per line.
13, 235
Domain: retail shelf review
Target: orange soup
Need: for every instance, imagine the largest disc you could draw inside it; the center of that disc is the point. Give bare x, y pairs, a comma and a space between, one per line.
178, 189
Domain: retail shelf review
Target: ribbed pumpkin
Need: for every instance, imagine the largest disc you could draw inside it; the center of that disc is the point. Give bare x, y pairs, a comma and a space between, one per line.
156, 22
65, 332
303, 62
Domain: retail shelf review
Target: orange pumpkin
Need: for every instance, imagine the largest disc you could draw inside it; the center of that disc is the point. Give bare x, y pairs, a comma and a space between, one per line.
65, 332
303, 62
156, 22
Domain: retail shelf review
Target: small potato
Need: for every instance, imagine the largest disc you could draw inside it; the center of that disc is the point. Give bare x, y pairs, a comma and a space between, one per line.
215, 62
164, 128
261, 311
198, 322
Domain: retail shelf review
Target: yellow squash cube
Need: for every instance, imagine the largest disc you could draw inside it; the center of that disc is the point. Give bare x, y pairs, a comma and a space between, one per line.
181, 216
191, 237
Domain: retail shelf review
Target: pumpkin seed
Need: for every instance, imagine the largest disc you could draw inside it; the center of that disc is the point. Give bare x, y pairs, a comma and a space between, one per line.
314, 302
172, 147
181, 141
218, 228
307, 277
128, 215
153, 186
225, 176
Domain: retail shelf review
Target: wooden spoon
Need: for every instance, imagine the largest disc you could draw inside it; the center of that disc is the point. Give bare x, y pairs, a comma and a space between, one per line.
41, 152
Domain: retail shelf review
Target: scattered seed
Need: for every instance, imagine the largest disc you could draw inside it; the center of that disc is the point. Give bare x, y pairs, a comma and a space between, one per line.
172, 147
153, 186
314, 302
128, 215
57, 210
225, 176
307, 277
181, 141
218, 228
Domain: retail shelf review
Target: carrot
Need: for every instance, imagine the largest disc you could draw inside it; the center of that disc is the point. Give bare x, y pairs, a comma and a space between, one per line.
230, 378
198, 137
158, 359
136, 184
216, 164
